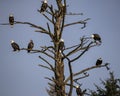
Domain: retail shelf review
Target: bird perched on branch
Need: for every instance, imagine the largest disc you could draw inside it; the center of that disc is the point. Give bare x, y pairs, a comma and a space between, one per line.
11, 20
30, 45
63, 9
96, 38
15, 46
44, 6
99, 62
78, 91
61, 45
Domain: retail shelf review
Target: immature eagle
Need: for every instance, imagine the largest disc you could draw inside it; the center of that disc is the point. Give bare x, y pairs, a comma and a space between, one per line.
30, 45
96, 37
15, 46
44, 6
11, 20
99, 62
61, 45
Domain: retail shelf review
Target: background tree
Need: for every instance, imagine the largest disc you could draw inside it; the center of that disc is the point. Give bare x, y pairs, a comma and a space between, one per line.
111, 87
57, 52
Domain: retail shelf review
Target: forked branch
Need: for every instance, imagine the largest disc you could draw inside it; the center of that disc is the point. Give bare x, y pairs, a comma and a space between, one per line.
78, 22
51, 67
85, 70
39, 51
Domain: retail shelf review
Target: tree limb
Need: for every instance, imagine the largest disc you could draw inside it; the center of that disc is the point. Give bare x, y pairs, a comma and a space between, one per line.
44, 48
77, 47
32, 25
39, 51
63, 20
81, 77
51, 35
82, 52
51, 67
71, 75
45, 67
48, 18
84, 70
78, 22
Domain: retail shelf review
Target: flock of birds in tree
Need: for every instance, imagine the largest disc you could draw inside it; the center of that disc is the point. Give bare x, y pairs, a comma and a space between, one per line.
30, 46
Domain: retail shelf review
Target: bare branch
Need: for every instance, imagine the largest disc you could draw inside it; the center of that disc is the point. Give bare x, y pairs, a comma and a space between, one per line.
51, 13
63, 21
70, 85
81, 77
74, 50
82, 52
85, 70
72, 47
32, 25
78, 22
49, 79
78, 47
45, 67
48, 49
70, 13
51, 67
47, 18
50, 33
39, 51
71, 75
59, 3
4, 23
41, 31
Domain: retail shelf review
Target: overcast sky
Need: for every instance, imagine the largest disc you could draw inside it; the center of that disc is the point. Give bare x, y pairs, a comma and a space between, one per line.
20, 74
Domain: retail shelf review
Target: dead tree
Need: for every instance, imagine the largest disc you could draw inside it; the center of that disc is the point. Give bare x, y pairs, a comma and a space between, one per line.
57, 52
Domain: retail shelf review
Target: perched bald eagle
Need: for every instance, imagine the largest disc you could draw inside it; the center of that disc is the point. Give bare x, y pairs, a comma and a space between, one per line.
44, 6
30, 45
11, 20
96, 37
63, 9
99, 62
78, 91
61, 45
15, 46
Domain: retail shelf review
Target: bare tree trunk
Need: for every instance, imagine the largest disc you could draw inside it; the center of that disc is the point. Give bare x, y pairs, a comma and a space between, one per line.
59, 75
59, 64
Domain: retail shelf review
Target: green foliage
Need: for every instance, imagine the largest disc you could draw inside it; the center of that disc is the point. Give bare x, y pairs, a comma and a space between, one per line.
111, 87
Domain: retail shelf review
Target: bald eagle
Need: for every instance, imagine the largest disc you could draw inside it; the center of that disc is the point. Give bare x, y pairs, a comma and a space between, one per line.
11, 20
30, 45
15, 46
78, 91
44, 6
63, 9
96, 37
99, 62
61, 45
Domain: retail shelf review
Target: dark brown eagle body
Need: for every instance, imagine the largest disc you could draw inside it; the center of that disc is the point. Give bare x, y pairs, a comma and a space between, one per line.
30, 45
15, 46
11, 19
44, 6
99, 62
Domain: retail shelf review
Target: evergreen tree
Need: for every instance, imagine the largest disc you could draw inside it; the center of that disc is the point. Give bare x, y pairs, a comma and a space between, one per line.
111, 87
